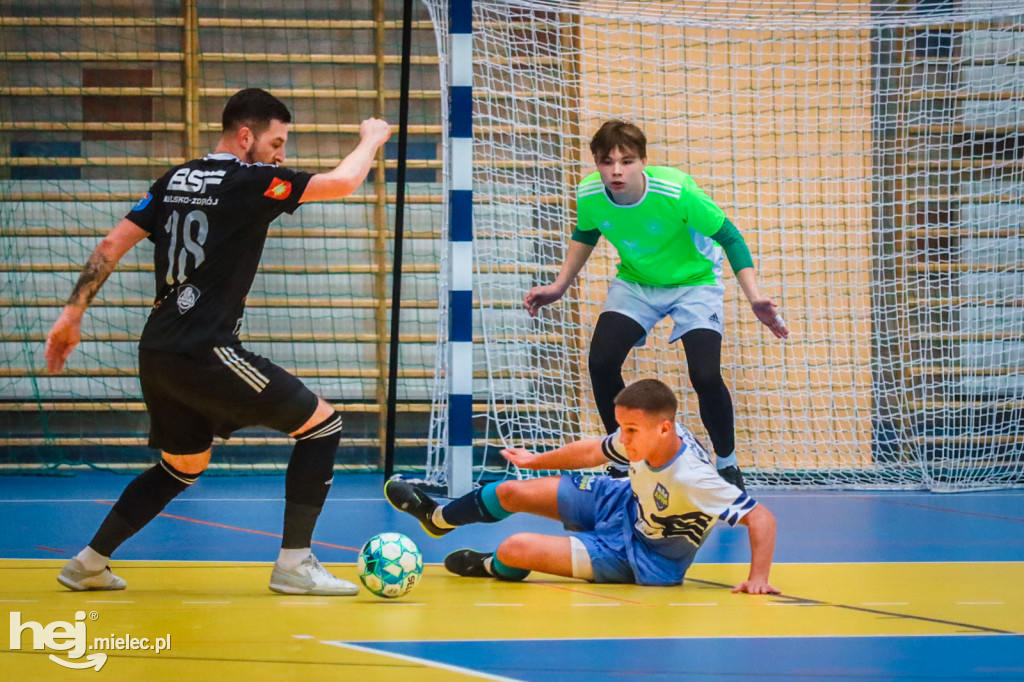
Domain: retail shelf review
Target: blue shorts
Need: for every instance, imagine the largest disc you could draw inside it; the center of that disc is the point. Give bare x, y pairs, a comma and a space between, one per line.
596, 509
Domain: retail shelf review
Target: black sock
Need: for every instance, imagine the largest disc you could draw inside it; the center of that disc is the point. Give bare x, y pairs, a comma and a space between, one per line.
704, 361
614, 336
143, 498
308, 480
479, 506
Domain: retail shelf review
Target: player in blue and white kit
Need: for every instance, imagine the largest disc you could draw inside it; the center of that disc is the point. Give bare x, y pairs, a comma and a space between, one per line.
645, 529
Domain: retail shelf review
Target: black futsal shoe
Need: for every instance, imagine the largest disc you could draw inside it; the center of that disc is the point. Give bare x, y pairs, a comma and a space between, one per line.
468, 563
733, 475
616, 470
406, 497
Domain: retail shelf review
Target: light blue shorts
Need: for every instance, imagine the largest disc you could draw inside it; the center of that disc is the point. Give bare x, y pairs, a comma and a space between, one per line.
593, 508
597, 510
697, 307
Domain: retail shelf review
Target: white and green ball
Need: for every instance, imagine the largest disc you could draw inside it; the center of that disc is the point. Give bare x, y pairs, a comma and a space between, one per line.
390, 565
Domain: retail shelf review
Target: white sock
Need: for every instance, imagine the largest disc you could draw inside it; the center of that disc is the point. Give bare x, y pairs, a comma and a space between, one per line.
438, 518
290, 558
92, 560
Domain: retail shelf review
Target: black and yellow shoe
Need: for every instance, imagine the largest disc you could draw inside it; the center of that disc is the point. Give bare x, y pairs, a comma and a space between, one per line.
406, 497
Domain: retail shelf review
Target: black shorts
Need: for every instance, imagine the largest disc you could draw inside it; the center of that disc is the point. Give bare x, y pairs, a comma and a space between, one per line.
191, 398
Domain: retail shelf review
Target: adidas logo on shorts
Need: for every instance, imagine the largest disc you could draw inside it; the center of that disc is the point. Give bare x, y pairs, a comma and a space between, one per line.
713, 318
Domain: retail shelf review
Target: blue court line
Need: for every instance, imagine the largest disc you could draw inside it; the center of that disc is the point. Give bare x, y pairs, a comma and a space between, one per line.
61, 513
930, 657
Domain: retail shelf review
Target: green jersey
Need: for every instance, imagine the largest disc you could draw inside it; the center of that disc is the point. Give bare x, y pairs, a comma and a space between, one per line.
663, 240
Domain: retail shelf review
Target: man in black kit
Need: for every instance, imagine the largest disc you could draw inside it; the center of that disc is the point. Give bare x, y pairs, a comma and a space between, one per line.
208, 220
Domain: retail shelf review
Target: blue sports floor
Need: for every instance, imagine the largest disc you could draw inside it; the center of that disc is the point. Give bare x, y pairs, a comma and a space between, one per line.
876, 586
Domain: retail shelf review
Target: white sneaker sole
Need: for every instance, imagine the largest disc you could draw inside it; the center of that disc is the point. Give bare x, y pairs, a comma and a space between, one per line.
79, 587
315, 591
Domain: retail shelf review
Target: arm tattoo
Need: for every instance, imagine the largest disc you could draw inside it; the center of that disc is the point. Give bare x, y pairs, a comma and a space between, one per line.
94, 274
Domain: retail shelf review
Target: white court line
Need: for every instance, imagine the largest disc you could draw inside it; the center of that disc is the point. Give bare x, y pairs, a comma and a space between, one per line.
303, 636
977, 603
18, 601
421, 661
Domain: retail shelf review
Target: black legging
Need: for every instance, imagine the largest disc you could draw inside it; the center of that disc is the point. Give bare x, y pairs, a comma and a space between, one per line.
614, 336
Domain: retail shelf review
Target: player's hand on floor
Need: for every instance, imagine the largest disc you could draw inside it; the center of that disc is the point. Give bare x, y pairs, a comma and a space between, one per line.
756, 587
768, 312
521, 457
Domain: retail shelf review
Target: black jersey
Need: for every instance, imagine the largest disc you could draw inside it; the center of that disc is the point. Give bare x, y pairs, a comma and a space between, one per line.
208, 220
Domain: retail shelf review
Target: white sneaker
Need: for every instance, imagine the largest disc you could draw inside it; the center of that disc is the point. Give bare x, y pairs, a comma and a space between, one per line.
74, 577
309, 577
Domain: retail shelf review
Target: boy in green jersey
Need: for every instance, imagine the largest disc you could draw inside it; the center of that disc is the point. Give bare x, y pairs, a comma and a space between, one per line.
670, 238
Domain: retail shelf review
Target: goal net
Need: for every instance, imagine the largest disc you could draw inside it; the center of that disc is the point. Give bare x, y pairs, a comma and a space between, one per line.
872, 154
98, 98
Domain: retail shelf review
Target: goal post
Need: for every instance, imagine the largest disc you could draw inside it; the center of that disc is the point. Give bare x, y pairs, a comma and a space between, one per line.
869, 153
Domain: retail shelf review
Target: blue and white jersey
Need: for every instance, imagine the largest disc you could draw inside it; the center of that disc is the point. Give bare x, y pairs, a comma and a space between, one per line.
675, 506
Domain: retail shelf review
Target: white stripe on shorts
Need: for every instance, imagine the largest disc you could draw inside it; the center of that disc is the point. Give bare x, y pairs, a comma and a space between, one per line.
243, 369
581, 566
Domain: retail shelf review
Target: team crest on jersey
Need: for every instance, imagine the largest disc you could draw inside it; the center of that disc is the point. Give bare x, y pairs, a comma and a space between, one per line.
187, 297
660, 497
279, 189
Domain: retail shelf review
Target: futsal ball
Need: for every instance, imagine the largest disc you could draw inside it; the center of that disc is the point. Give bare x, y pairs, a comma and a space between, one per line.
390, 565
